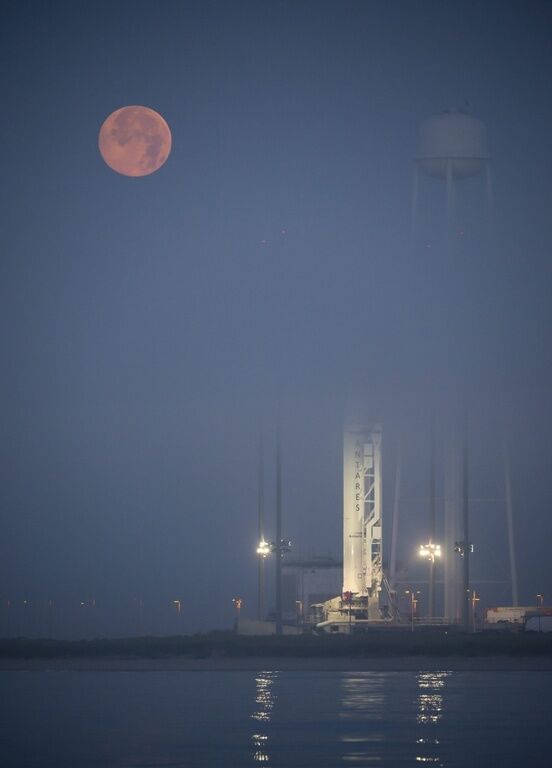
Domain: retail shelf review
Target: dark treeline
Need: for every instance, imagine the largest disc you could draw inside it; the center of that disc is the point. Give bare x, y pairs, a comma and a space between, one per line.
227, 644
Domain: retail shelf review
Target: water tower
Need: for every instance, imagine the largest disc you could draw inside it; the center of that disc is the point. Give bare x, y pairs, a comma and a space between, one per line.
451, 146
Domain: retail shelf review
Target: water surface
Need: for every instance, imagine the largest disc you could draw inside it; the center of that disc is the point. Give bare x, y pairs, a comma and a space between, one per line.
290, 719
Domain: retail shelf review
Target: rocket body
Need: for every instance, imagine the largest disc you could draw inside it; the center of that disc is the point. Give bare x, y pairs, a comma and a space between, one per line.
362, 541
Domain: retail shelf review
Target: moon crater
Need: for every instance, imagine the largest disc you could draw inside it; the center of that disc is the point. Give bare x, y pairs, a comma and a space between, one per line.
135, 141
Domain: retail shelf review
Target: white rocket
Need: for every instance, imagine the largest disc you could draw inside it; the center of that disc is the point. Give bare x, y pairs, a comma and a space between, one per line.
362, 542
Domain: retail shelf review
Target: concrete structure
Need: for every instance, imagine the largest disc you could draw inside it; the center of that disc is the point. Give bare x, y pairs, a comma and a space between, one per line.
260, 628
508, 614
306, 582
515, 615
539, 623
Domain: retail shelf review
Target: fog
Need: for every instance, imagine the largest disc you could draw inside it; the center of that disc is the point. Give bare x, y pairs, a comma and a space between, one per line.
152, 327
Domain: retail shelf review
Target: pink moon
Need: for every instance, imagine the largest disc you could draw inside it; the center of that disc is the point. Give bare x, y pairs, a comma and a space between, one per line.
135, 141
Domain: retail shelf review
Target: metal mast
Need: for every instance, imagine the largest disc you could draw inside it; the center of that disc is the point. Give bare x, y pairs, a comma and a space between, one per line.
260, 509
510, 521
466, 546
432, 520
396, 512
278, 544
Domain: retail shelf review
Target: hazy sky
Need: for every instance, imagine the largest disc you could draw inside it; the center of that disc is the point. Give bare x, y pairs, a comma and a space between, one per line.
147, 323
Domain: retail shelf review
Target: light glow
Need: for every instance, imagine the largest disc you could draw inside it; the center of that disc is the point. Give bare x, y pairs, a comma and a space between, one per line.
430, 551
264, 549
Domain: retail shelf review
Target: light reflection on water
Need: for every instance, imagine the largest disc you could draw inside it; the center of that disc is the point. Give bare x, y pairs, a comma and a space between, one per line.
265, 700
362, 702
368, 703
276, 719
431, 687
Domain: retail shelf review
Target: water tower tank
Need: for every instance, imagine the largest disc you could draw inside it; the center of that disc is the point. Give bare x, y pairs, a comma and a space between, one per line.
452, 139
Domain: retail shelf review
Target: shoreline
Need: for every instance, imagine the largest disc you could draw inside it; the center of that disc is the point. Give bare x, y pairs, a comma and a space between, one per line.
286, 664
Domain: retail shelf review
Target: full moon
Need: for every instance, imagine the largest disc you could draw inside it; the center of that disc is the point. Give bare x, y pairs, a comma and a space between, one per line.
135, 141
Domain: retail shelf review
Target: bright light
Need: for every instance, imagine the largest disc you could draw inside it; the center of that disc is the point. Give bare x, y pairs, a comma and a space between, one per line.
264, 549
430, 551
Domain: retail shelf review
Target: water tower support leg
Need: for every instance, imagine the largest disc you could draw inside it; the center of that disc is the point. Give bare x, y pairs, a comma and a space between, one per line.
451, 203
489, 187
414, 212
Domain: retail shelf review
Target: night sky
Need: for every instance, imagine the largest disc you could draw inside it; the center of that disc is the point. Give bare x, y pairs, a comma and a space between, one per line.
149, 326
